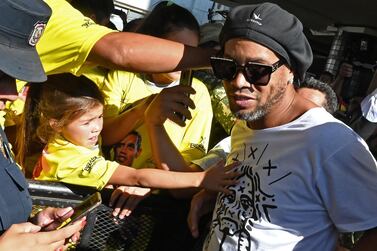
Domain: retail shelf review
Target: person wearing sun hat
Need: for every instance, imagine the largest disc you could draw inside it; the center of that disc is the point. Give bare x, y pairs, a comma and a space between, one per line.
304, 176
22, 23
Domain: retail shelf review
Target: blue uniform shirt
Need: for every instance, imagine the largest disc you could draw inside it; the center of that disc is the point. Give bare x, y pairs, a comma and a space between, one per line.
15, 201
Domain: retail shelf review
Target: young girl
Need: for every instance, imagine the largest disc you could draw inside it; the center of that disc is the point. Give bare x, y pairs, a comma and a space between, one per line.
67, 114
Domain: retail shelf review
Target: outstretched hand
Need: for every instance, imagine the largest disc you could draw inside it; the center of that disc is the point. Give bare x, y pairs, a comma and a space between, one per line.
219, 176
124, 199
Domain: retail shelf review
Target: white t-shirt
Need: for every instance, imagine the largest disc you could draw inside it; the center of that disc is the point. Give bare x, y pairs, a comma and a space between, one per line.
301, 183
369, 107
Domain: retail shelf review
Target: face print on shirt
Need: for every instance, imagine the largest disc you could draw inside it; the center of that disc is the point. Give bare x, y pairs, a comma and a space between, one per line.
235, 213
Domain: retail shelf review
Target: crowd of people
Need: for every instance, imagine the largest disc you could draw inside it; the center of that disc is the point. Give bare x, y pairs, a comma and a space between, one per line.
85, 104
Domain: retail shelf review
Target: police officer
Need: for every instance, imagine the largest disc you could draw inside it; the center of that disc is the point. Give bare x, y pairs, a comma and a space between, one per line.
21, 24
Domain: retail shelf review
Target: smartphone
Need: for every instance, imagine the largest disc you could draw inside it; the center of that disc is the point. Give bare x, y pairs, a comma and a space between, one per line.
186, 80
82, 209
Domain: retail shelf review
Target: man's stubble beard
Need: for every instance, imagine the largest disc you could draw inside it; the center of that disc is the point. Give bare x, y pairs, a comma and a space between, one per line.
261, 110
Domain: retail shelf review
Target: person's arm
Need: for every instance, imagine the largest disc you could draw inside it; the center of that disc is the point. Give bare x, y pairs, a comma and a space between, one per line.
345, 71
127, 121
68, 44
214, 179
165, 106
195, 140
141, 53
189, 192
368, 242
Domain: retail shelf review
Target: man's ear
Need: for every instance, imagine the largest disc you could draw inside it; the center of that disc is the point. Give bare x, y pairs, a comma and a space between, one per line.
55, 125
291, 77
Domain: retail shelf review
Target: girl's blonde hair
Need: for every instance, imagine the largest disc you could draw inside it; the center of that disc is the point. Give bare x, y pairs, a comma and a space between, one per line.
62, 99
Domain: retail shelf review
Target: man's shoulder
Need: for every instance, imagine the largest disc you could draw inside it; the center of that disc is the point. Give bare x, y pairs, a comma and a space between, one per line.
318, 117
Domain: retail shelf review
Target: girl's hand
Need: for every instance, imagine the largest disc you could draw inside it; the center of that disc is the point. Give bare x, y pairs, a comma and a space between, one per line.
124, 199
218, 177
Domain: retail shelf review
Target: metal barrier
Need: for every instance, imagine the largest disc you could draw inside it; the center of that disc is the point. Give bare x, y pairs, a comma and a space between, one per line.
158, 223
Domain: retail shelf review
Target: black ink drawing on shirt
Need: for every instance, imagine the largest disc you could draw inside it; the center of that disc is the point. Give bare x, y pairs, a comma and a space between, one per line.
235, 213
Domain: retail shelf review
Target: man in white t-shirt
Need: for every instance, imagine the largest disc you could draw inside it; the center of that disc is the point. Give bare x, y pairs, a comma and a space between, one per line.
305, 176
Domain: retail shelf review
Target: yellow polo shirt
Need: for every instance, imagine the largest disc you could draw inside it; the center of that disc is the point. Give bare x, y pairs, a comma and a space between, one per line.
65, 162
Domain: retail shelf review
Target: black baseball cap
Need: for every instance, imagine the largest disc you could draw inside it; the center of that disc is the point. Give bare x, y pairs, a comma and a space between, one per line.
22, 23
274, 28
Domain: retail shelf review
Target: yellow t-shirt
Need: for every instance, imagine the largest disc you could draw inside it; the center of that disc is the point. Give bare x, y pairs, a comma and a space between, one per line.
65, 162
122, 88
68, 39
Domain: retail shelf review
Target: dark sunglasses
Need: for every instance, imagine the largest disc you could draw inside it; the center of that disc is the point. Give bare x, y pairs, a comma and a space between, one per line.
255, 73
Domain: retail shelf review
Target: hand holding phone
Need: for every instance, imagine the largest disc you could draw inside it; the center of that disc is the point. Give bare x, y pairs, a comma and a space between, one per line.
79, 211
185, 80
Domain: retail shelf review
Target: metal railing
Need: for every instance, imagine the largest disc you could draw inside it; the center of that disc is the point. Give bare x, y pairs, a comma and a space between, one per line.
158, 223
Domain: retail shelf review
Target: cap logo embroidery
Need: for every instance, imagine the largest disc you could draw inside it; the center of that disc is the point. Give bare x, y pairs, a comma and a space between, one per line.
254, 19
257, 16
36, 33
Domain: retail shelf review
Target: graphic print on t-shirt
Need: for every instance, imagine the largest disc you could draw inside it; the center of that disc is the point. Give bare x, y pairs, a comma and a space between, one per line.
248, 202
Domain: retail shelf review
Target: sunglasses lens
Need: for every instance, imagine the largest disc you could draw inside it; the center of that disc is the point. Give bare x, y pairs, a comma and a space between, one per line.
258, 74
223, 69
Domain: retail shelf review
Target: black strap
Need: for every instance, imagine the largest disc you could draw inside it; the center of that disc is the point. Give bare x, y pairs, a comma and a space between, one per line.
5, 146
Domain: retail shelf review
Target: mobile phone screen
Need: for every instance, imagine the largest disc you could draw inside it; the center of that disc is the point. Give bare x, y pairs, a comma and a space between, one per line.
186, 78
82, 209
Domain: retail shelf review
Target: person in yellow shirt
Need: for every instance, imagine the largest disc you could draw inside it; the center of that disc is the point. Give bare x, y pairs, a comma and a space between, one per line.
128, 95
70, 121
73, 42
